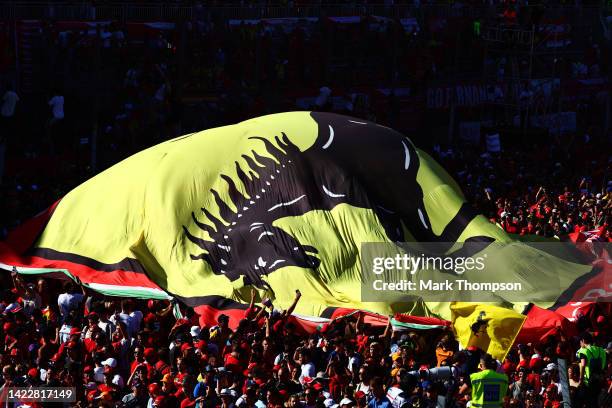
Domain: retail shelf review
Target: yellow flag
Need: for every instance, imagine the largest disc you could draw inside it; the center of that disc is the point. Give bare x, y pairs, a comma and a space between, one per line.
490, 328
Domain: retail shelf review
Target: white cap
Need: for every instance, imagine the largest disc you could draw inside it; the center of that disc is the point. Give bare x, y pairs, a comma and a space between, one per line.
326, 394
329, 403
118, 381
550, 367
195, 331
110, 362
346, 401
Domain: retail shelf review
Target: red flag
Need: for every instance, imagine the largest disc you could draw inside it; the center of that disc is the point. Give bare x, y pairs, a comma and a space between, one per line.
542, 323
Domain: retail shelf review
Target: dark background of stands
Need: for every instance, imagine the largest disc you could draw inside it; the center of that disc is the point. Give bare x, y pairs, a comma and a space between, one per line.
205, 69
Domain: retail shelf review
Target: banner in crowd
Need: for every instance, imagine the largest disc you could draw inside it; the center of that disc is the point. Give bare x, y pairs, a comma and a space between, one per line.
562, 122
490, 328
469, 94
275, 203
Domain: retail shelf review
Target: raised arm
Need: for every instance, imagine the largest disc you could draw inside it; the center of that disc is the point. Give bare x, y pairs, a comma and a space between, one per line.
289, 311
253, 294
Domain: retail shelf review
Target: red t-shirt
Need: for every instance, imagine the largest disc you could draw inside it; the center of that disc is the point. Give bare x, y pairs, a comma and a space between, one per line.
188, 403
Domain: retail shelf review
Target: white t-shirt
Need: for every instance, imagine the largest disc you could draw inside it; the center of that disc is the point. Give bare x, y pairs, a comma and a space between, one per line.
29, 304
64, 333
131, 321
308, 370
57, 106
68, 301
136, 320
9, 101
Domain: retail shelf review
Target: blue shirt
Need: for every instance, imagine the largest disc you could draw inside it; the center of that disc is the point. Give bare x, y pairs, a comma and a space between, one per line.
379, 403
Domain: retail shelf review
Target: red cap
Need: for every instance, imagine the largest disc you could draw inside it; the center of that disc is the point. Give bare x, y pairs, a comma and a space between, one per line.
360, 394
149, 318
317, 387
160, 401
601, 319
91, 395
185, 346
8, 326
33, 372
149, 352
154, 388
201, 344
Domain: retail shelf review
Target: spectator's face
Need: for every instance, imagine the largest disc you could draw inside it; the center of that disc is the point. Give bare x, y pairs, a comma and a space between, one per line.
42, 286
377, 389
363, 375
7, 375
283, 374
294, 401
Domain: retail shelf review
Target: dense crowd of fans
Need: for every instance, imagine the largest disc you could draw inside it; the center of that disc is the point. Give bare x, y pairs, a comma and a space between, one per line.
554, 190
139, 354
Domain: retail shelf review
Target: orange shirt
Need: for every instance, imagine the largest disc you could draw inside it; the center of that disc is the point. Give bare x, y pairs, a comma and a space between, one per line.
442, 355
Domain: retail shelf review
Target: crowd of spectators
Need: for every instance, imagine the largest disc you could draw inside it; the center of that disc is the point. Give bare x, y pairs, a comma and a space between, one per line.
559, 187
138, 353
132, 353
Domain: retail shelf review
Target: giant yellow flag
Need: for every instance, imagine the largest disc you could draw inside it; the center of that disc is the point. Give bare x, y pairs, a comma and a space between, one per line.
278, 203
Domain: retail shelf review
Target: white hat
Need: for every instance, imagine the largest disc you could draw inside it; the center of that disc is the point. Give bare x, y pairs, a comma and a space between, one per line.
110, 362
346, 401
329, 403
195, 331
326, 394
225, 391
118, 381
550, 367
